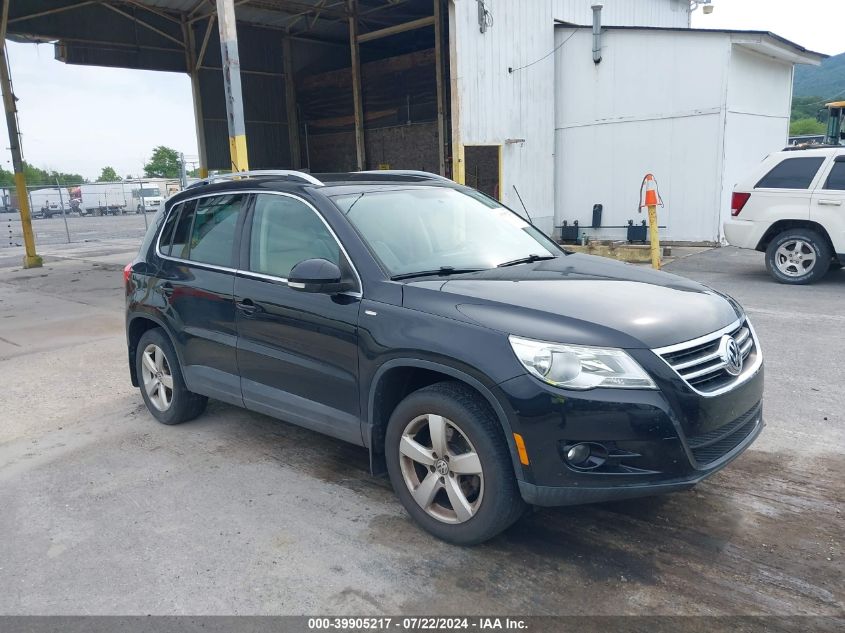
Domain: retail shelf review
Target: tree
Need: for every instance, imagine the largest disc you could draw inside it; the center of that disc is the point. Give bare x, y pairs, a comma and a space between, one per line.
38, 176
108, 174
809, 108
163, 164
806, 126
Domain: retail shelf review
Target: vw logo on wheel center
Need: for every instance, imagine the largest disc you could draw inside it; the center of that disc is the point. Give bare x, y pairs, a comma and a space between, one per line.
731, 355
442, 467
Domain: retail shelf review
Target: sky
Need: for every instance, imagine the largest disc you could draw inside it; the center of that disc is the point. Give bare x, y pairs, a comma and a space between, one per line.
814, 24
79, 119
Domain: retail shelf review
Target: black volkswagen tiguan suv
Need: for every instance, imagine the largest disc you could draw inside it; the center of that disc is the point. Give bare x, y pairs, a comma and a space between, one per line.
481, 365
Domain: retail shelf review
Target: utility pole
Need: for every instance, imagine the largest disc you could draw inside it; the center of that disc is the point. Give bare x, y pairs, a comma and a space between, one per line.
232, 84
183, 172
30, 259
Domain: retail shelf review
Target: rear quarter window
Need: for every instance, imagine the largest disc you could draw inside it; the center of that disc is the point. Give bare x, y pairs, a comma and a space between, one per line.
836, 178
792, 173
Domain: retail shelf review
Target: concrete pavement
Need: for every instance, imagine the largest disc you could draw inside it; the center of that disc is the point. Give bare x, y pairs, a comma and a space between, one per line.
105, 511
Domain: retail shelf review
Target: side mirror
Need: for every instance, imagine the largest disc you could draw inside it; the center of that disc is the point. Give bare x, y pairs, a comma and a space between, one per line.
317, 275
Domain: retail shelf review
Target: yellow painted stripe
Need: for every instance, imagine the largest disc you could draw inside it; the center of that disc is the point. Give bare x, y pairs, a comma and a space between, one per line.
237, 150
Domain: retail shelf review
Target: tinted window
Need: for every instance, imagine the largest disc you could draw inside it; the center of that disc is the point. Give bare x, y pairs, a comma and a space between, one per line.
836, 178
182, 231
167, 232
213, 231
286, 231
792, 173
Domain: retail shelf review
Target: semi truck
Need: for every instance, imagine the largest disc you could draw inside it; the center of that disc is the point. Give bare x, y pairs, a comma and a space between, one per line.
99, 198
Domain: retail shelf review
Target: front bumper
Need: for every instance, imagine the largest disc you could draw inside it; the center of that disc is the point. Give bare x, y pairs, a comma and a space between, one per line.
656, 441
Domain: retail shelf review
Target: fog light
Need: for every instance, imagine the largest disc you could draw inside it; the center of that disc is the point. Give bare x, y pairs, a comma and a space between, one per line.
578, 454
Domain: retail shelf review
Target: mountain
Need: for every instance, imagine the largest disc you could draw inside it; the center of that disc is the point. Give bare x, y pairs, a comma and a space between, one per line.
826, 81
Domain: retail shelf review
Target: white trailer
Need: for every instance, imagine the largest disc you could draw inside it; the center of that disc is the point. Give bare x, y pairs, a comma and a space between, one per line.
100, 198
46, 203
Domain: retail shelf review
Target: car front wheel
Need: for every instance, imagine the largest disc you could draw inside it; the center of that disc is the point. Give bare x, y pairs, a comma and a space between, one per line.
798, 256
161, 381
450, 465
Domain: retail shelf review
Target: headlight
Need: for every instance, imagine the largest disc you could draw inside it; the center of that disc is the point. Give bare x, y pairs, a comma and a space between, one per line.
578, 367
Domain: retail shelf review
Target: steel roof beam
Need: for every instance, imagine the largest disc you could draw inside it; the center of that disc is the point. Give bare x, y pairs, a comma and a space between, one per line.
146, 25
41, 14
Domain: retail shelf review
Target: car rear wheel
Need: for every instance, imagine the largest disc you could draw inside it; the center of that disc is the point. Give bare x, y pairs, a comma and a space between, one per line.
798, 256
450, 465
161, 381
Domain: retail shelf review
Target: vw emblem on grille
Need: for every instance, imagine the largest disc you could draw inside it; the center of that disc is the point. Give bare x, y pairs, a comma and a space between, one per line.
731, 355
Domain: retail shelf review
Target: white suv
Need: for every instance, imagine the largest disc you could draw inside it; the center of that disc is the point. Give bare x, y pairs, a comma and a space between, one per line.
792, 207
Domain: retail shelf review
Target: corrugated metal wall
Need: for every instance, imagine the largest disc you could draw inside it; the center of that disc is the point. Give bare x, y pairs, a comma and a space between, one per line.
495, 105
262, 80
692, 108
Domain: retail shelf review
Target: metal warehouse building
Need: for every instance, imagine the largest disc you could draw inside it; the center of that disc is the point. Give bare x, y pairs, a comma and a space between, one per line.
505, 95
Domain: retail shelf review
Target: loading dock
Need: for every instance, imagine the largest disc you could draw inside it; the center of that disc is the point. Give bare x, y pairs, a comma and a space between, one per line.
322, 80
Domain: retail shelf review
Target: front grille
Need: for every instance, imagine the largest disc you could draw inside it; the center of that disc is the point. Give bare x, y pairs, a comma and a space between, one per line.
715, 444
700, 362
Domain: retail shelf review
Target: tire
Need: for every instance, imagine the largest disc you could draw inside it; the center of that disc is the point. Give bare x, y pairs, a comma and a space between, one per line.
492, 499
804, 266
182, 405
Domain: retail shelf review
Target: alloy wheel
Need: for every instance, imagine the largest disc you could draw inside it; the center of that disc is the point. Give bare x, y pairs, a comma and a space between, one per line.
158, 380
795, 258
441, 468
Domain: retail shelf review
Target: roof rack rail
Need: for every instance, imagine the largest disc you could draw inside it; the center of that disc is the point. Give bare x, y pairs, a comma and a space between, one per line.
301, 175
406, 172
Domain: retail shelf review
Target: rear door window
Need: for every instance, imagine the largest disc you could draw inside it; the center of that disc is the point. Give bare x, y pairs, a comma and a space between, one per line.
792, 173
213, 229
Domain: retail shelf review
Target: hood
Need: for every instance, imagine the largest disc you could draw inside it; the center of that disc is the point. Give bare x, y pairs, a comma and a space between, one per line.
579, 299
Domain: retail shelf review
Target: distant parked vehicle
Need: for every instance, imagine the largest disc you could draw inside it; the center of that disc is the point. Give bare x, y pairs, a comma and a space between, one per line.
100, 198
45, 203
147, 198
791, 208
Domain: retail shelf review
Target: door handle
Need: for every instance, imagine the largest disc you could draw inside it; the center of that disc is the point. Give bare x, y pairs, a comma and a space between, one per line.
247, 306
831, 203
167, 290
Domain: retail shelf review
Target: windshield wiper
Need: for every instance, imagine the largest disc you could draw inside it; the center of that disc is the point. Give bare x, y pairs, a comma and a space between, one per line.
527, 260
442, 271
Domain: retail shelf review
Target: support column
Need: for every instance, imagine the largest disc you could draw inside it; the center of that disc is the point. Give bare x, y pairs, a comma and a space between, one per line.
290, 103
31, 259
360, 148
458, 163
441, 93
193, 72
232, 84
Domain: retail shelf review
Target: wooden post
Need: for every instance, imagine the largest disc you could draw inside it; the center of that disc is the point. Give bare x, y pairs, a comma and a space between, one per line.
290, 103
358, 102
458, 165
441, 93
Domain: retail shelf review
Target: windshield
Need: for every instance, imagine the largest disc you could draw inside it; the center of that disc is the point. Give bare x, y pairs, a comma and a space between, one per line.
149, 193
428, 229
